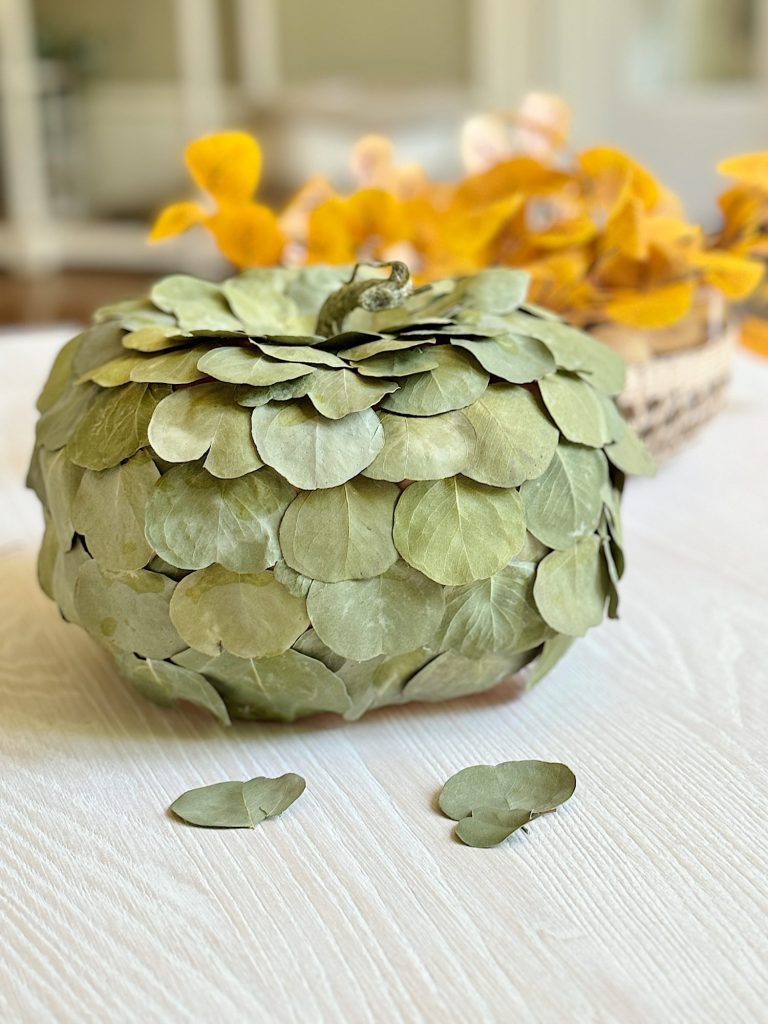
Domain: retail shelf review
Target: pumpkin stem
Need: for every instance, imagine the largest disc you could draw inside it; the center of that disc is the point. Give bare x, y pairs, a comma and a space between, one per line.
372, 295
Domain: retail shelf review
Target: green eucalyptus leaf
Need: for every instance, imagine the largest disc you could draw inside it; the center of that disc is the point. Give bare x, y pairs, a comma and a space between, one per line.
115, 426
487, 826
283, 391
177, 367
109, 512
237, 365
60, 376
629, 454
127, 610
312, 451
455, 383
495, 290
205, 419
515, 440
380, 681
450, 676
337, 393
513, 358
377, 345
301, 354
570, 587
565, 502
197, 305
552, 651
456, 530
60, 420
293, 581
423, 448
578, 409
282, 689
166, 684
389, 614
532, 550
95, 346
341, 533
533, 786
62, 480
251, 615
194, 519
114, 373
397, 363
153, 340
496, 615
260, 305
238, 804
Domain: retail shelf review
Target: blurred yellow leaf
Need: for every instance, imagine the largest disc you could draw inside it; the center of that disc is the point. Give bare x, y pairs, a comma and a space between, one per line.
226, 165
655, 307
174, 219
248, 234
748, 168
734, 276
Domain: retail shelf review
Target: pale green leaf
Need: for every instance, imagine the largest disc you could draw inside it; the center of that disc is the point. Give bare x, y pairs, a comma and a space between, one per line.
238, 804
423, 448
533, 786
251, 615
341, 533
301, 354
95, 346
552, 651
62, 480
177, 367
565, 502
237, 365
197, 305
60, 376
166, 684
513, 358
456, 530
578, 409
397, 363
629, 453
570, 588
115, 426
60, 420
451, 675
455, 382
337, 393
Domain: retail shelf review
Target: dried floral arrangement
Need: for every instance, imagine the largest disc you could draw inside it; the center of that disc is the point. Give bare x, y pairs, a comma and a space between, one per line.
604, 241
312, 489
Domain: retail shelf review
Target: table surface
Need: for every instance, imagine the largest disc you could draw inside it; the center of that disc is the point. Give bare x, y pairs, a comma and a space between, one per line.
642, 900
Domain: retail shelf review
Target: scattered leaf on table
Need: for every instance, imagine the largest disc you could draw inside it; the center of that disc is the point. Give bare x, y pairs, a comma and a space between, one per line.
490, 802
239, 804
456, 530
194, 519
251, 615
341, 533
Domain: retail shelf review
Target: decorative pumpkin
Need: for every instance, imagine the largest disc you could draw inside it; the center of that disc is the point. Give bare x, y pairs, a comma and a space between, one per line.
308, 490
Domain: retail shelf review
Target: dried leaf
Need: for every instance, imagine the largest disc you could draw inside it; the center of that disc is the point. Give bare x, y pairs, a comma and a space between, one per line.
238, 804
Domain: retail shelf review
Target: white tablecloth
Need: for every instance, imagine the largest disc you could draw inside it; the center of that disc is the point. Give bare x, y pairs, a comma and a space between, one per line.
642, 900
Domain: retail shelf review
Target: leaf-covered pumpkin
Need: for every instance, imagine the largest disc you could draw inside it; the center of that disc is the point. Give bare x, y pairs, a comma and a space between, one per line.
300, 491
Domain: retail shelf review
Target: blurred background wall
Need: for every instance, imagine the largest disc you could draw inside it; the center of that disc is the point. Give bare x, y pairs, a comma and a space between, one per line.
98, 98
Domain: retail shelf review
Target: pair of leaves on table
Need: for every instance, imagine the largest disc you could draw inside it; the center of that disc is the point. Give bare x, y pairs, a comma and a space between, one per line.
489, 802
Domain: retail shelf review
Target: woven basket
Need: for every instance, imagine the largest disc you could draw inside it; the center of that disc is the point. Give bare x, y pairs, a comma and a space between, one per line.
677, 377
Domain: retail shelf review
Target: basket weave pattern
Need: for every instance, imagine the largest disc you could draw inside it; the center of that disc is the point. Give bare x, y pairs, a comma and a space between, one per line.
671, 396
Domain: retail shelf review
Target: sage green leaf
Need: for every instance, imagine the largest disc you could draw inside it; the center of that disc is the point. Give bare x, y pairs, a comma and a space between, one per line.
565, 502
194, 519
533, 786
532, 550
515, 440
128, 610
497, 615
312, 451
46, 557
238, 804
451, 675
283, 391
309, 287
577, 408
552, 651
251, 615
115, 426
397, 364
341, 533
95, 346
455, 382
612, 577
65, 572
177, 367
60, 376
301, 354
114, 373
205, 419
166, 684
629, 454
423, 448
495, 290
389, 614
309, 643
380, 681
109, 512
60, 420
378, 345
293, 581
337, 393
513, 358
133, 314
456, 530
154, 339
574, 350
237, 365
281, 689
197, 305
62, 480
487, 827
261, 306
173, 572
570, 588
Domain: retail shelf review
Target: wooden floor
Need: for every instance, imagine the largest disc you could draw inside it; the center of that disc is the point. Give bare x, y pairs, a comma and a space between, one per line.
72, 295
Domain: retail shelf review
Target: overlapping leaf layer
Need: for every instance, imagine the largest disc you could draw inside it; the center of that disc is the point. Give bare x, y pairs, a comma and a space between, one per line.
269, 522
